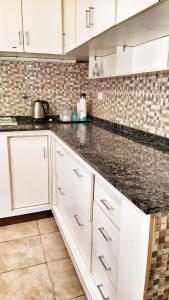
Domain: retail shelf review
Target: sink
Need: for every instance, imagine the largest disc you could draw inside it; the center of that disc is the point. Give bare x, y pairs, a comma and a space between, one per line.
8, 121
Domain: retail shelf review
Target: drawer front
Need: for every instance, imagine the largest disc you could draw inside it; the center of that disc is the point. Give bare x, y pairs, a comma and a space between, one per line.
109, 201
108, 233
82, 183
81, 230
106, 260
103, 284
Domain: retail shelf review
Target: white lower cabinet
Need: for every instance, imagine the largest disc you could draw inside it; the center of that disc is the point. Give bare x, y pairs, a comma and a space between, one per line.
75, 204
104, 286
110, 235
29, 171
81, 229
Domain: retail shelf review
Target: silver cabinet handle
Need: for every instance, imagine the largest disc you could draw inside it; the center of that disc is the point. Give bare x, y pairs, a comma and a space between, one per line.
107, 205
28, 40
91, 15
77, 220
20, 35
60, 191
100, 290
87, 18
76, 171
104, 234
64, 41
44, 152
60, 153
101, 258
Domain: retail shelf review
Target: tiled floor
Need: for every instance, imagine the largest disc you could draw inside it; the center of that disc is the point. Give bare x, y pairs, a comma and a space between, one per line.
35, 265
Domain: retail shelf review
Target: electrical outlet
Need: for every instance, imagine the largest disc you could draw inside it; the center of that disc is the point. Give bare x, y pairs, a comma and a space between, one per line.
100, 96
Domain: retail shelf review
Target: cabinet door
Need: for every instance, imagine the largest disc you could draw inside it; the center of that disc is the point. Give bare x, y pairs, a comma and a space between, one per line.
42, 24
11, 38
102, 15
69, 23
83, 27
128, 8
29, 171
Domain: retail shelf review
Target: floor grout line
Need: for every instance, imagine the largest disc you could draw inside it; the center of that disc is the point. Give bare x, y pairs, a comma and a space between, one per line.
27, 237
23, 238
38, 226
22, 268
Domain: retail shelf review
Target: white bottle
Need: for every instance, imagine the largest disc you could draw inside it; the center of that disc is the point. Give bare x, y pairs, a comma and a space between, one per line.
83, 107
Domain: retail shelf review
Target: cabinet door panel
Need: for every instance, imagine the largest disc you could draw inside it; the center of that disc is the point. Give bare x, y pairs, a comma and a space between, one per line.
128, 8
69, 41
29, 171
11, 26
103, 15
83, 30
42, 26
81, 230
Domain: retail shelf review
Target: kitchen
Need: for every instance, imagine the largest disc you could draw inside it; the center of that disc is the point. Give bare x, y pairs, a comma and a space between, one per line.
84, 197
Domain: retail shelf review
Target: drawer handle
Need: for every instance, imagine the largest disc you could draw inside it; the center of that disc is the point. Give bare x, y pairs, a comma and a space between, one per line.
60, 153
60, 191
104, 234
101, 258
87, 18
77, 173
100, 290
107, 205
77, 220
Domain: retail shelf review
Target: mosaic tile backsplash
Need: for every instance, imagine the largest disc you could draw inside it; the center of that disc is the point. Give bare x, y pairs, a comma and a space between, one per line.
158, 287
22, 82
138, 101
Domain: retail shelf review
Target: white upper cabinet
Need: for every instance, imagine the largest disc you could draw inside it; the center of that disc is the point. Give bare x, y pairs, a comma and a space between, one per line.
92, 18
102, 15
128, 8
11, 38
83, 21
33, 26
42, 23
69, 25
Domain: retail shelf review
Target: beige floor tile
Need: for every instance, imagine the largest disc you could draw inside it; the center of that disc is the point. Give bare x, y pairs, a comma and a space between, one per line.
53, 246
47, 225
64, 278
20, 254
18, 231
31, 283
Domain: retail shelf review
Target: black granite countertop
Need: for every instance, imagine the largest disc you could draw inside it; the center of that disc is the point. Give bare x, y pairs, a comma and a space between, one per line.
135, 163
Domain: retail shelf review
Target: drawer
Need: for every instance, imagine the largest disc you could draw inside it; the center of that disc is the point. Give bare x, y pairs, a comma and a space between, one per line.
105, 258
108, 233
108, 200
81, 230
82, 183
60, 151
103, 284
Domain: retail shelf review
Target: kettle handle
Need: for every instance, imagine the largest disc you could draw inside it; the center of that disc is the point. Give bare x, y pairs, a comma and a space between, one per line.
46, 107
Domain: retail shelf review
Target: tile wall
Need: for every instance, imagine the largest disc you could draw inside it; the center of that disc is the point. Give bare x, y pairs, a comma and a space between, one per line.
22, 82
158, 286
138, 101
